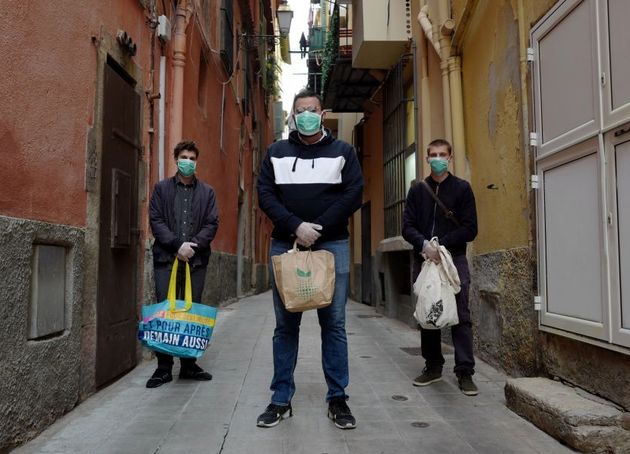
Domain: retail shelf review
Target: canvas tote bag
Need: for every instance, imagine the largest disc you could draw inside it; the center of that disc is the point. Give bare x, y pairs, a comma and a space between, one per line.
435, 289
304, 279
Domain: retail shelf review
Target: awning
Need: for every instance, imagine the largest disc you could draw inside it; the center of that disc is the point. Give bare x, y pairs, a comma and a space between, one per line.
348, 87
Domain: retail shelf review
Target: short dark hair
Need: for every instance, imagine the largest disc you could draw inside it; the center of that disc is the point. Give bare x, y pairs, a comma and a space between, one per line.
186, 145
307, 93
439, 143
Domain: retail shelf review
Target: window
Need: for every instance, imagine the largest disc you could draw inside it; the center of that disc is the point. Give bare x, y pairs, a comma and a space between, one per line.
202, 83
396, 148
227, 35
582, 122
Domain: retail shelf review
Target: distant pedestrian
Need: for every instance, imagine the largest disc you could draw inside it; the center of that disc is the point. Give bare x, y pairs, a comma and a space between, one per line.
309, 185
423, 219
303, 45
184, 219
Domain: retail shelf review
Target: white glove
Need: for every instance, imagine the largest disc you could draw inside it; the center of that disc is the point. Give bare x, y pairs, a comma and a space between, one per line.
307, 233
186, 251
431, 252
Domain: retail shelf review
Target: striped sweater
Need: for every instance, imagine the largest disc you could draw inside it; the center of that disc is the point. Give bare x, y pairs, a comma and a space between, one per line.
319, 183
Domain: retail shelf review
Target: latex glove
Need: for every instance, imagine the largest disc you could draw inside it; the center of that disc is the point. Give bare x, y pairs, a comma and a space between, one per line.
307, 233
431, 252
186, 251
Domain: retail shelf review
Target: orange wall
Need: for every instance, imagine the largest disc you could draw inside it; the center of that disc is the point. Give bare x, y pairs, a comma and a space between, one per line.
373, 173
48, 98
47, 95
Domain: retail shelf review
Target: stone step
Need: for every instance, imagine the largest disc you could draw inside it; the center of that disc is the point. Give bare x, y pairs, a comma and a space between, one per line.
581, 420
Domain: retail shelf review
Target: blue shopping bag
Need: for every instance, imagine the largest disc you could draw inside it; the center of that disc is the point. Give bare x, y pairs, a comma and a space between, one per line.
175, 327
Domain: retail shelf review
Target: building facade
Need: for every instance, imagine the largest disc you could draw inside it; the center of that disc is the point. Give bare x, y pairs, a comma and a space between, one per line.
542, 148
94, 101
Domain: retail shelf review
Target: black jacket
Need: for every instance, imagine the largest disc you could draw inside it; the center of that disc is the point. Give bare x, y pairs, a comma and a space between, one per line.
162, 220
424, 219
319, 183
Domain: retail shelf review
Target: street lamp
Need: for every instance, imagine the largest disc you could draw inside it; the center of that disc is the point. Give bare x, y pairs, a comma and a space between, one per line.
284, 15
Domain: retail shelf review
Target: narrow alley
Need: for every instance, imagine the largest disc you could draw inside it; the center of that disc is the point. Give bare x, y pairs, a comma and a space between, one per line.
220, 416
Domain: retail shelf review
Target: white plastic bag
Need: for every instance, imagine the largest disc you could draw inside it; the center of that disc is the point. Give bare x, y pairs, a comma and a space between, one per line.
435, 288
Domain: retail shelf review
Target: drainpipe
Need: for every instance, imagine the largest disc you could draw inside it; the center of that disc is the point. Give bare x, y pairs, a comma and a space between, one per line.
457, 111
450, 64
182, 18
444, 38
161, 119
425, 98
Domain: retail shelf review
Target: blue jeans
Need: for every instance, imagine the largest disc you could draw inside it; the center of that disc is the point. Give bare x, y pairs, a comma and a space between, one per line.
332, 320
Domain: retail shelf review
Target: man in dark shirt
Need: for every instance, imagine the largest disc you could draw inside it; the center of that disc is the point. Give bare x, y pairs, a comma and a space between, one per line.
309, 185
424, 219
184, 220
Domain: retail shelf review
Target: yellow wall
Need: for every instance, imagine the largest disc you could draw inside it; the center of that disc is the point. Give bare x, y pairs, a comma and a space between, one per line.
493, 120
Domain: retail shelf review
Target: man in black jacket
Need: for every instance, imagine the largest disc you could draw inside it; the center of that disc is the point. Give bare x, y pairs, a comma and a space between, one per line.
184, 220
309, 186
424, 219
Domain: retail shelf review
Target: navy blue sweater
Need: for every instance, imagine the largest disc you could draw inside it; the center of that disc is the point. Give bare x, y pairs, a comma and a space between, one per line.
319, 183
423, 218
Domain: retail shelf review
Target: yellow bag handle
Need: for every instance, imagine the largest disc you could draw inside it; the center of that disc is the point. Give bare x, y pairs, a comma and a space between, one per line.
172, 290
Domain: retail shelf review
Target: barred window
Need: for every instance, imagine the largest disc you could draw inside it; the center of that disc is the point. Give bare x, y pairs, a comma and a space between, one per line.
397, 149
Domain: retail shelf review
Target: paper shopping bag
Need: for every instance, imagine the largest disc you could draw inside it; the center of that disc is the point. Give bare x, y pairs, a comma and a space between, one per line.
304, 279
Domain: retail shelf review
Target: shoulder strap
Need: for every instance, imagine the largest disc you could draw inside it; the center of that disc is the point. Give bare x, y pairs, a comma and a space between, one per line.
447, 212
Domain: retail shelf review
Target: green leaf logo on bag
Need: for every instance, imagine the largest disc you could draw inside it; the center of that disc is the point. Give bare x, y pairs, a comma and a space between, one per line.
305, 288
301, 273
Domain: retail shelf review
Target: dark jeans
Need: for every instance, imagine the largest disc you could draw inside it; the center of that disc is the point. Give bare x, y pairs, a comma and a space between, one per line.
431, 342
332, 320
162, 273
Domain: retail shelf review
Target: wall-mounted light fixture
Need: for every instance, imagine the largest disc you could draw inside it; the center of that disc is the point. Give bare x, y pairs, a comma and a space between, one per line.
284, 15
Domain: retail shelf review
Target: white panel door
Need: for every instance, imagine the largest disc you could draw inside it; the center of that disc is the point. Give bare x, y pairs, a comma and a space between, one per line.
566, 75
572, 242
615, 32
618, 145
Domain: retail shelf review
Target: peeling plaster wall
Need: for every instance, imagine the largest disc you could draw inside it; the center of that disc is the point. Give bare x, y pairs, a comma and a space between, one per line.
39, 379
491, 85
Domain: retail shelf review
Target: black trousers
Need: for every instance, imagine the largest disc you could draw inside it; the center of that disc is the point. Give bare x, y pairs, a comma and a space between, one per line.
431, 342
162, 274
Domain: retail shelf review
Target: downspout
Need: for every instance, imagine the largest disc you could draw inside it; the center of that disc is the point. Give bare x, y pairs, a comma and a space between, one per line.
445, 33
442, 47
161, 120
450, 64
182, 18
425, 98
457, 101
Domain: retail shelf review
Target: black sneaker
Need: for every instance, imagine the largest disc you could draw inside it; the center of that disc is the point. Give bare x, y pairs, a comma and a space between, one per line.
427, 377
467, 385
194, 372
274, 414
159, 377
340, 413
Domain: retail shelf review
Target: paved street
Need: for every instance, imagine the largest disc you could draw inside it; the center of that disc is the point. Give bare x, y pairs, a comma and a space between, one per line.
220, 416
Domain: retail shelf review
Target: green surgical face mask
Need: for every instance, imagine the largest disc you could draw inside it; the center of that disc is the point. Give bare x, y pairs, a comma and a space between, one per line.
186, 167
308, 123
438, 165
